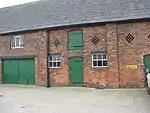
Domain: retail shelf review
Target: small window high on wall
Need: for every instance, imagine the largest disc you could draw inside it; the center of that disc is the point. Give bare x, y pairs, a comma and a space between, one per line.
17, 42
75, 40
99, 60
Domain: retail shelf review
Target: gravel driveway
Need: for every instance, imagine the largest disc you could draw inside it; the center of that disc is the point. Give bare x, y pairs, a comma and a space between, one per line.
30, 99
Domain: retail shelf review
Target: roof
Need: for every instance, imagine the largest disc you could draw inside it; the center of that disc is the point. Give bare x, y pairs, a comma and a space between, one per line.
56, 13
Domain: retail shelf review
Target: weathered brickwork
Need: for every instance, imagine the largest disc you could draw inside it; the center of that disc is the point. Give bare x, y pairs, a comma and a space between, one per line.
34, 45
112, 75
120, 55
92, 76
132, 53
112, 40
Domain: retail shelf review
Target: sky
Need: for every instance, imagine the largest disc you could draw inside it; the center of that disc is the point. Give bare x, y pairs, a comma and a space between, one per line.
6, 3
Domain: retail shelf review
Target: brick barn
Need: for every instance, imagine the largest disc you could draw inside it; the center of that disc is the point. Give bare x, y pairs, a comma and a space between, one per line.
91, 43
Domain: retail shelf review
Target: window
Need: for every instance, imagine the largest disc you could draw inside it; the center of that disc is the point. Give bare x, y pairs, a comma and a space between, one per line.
75, 40
99, 60
17, 42
54, 61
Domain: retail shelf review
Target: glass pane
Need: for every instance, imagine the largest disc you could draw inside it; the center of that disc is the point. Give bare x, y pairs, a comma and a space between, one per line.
58, 58
54, 64
21, 42
17, 42
54, 58
13, 42
94, 63
105, 63
94, 56
100, 63
50, 58
104, 56
100, 56
50, 64
58, 64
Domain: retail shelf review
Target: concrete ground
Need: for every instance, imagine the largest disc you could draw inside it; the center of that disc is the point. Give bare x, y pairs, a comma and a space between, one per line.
30, 99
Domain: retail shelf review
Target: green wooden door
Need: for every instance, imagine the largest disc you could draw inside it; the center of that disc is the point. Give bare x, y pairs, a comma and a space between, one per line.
75, 40
26, 71
76, 71
10, 72
18, 71
147, 63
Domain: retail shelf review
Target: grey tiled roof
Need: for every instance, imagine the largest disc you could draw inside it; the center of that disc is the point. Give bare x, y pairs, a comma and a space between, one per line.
55, 13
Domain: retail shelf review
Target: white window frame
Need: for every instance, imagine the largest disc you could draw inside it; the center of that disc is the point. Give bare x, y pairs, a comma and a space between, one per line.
55, 59
102, 59
14, 43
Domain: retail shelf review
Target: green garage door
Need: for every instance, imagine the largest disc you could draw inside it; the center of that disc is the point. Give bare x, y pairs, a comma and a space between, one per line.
18, 71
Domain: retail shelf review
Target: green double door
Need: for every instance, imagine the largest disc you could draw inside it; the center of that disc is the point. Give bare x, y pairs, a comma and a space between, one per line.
18, 71
76, 71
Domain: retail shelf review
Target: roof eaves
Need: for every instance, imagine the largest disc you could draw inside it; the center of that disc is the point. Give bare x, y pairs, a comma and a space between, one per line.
75, 24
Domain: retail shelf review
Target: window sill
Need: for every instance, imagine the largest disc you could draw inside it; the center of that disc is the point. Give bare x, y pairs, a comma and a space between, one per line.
17, 47
100, 67
54, 67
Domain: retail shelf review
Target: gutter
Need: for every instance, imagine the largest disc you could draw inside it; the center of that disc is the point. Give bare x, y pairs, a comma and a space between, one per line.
47, 47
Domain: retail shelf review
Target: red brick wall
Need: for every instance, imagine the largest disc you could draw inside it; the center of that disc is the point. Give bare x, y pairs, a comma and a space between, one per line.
34, 44
120, 54
112, 39
132, 53
92, 76
112, 50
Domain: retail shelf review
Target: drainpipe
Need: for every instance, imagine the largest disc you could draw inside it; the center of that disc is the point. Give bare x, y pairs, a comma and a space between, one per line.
118, 56
47, 46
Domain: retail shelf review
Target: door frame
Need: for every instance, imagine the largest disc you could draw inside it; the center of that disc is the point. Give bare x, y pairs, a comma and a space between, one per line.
69, 82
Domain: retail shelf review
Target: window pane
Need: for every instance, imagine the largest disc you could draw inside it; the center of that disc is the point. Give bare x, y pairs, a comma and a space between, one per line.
54, 64
13, 42
21, 41
50, 58
54, 58
94, 56
105, 63
95, 63
58, 64
100, 63
104, 56
100, 56
58, 58
50, 64
17, 42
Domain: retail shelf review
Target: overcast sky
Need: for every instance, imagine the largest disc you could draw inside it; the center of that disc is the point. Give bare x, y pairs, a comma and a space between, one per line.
5, 3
